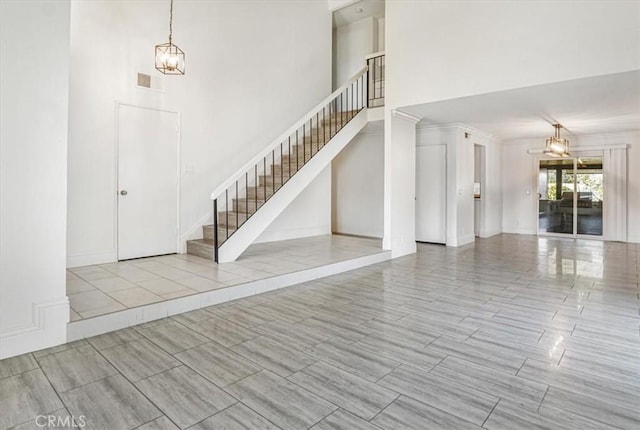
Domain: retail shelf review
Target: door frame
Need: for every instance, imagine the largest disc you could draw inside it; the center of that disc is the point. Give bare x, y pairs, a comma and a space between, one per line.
116, 185
574, 235
482, 200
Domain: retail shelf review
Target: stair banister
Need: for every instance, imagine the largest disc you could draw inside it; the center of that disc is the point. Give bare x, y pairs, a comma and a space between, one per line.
375, 92
295, 149
264, 153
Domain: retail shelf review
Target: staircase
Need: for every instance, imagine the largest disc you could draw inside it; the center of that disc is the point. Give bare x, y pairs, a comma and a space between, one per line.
245, 204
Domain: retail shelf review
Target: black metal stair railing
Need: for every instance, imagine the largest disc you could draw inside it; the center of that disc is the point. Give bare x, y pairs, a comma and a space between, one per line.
375, 83
245, 193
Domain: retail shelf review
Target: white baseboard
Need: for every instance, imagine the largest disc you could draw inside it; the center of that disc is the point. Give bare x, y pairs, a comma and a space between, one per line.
462, 240
117, 320
466, 239
362, 236
633, 238
401, 251
89, 259
295, 233
490, 233
48, 328
195, 232
526, 231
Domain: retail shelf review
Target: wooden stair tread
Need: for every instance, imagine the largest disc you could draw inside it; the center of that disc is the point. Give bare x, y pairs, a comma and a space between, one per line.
204, 242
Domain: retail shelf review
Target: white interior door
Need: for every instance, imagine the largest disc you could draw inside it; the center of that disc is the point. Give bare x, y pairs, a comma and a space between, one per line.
431, 194
147, 182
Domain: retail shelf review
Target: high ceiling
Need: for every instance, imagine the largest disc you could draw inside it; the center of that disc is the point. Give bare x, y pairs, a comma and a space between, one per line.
358, 10
602, 104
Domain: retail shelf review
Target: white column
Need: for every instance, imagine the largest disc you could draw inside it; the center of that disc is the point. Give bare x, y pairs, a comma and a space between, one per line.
34, 74
464, 160
400, 183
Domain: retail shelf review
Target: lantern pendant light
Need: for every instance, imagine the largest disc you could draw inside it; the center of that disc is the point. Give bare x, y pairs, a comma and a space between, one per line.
170, 58
557, 146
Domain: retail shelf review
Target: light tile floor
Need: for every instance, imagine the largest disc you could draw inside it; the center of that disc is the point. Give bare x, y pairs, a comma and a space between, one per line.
102, 289
514, 332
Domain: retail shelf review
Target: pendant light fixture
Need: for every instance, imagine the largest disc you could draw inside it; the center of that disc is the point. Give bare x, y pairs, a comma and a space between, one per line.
557, 146
170, 58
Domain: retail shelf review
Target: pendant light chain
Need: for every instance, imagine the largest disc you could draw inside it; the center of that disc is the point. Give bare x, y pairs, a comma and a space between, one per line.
170, 21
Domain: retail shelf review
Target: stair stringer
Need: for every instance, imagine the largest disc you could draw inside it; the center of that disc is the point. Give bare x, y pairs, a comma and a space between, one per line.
237, 243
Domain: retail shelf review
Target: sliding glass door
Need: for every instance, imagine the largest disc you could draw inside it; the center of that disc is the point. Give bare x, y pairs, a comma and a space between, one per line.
590, 186
571, 194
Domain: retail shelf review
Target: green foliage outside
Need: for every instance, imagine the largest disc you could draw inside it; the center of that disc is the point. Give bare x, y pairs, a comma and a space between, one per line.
587, 182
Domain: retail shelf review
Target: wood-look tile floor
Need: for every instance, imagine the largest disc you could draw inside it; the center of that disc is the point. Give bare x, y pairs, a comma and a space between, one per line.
514, 332
106, 288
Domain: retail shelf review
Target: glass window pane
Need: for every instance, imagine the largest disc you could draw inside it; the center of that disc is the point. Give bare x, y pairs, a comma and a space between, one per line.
556, 187
590, 194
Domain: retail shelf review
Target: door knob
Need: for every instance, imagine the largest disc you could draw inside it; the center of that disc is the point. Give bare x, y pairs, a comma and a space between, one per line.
123, 192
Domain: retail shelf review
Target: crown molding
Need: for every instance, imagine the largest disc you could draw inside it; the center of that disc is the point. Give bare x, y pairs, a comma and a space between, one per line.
457, 126
477, 131
406, 116
439, 127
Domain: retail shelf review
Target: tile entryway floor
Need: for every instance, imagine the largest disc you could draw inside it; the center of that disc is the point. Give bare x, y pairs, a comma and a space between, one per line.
102, 289
513, 332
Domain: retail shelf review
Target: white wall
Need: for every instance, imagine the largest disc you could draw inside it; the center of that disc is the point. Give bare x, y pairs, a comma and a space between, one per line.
519, 180
439, 50
460, 177
34, 75
351, 44
297, 220
354, 211
358, 184
380, 34
244, 84
519, 193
